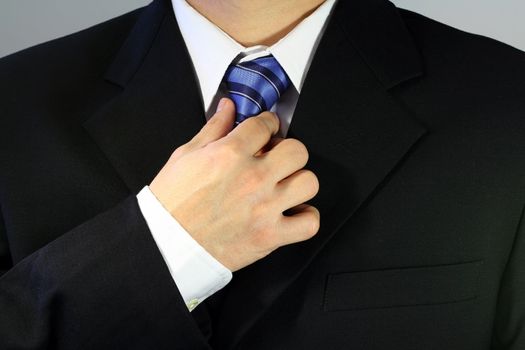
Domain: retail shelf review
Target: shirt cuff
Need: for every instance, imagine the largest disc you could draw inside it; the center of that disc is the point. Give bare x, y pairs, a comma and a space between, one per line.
196, 272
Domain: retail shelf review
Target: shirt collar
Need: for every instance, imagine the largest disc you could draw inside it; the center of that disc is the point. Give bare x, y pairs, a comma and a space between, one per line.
212, 50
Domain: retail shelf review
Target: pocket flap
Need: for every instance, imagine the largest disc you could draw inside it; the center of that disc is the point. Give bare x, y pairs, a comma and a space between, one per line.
402, 287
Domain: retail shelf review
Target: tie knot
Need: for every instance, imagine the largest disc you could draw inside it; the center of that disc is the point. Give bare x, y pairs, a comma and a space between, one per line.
255, 86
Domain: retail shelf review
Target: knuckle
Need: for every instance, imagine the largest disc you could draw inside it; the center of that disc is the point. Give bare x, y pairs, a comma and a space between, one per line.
264, 235
314, 224
299, 149
252, 179
261, 123
271, 120
269, 115
312, 182
232, 149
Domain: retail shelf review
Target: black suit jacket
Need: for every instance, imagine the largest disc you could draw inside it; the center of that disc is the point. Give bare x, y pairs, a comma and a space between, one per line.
415, 130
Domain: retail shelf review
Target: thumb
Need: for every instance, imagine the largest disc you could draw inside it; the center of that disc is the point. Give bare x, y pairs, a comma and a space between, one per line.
218, 126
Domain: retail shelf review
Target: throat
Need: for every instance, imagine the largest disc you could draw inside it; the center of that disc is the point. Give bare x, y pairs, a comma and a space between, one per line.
256, 22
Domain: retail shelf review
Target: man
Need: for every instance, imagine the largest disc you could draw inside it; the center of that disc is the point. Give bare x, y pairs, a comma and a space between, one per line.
382, 209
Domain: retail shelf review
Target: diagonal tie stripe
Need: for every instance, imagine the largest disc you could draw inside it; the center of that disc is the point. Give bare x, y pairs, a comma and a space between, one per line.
270, 63
253, 96
266, 73
255, 86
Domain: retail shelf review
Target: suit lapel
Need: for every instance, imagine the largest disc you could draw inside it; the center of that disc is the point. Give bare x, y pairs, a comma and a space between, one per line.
357, 135
159, 107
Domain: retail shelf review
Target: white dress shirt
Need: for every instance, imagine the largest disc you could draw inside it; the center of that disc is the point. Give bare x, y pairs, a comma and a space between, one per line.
196, 273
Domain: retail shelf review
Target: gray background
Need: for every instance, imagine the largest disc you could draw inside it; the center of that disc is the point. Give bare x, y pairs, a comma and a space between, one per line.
24, 23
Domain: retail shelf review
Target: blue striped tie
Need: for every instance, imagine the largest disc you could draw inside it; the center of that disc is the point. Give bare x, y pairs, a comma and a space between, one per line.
255, 86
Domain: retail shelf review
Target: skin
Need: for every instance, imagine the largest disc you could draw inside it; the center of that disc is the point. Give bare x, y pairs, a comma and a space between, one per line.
256, 22
229, 187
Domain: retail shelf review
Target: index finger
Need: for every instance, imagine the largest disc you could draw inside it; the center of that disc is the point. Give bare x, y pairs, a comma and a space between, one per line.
255, 132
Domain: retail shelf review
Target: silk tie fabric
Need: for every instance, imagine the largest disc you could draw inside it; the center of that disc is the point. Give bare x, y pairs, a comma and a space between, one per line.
255, 86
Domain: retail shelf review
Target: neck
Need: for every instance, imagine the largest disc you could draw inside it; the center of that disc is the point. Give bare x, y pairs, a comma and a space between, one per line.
256, 22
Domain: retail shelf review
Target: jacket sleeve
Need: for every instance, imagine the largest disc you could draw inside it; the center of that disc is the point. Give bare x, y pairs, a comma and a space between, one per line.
509, 329
103, 285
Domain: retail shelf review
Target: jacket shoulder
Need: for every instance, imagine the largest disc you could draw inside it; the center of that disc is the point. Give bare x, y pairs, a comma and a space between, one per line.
68, 59
437, 39
469, 82
46, 84
468, 69
47, 89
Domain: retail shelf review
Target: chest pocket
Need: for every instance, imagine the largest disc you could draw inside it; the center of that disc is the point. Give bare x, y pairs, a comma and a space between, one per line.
400, 287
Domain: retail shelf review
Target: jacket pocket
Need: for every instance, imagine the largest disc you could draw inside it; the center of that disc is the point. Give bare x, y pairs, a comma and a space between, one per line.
400, 287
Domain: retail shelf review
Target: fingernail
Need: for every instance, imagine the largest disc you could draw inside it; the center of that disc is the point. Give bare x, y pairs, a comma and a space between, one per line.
222, 102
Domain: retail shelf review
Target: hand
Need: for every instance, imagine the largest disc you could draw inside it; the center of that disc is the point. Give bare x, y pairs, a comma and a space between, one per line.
229, 188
